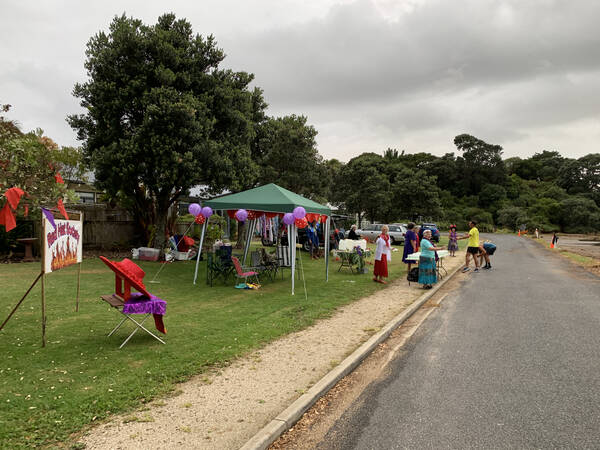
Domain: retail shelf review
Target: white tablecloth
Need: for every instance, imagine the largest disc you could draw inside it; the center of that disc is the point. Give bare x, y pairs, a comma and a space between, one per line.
415, 256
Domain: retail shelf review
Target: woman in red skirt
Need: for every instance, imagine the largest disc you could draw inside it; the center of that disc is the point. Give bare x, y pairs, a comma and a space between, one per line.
383, 254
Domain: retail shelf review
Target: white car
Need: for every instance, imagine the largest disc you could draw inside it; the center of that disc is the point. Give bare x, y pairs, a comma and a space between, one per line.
371, 232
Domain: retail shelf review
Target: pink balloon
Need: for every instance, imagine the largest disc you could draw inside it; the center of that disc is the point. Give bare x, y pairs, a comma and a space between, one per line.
241, 215
207, 211
288, 218
194, 209
299, 212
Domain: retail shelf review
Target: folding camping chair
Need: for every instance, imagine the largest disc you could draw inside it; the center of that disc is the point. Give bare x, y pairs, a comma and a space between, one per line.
118, 303
240, 271
260, 265
282, 256
219, 264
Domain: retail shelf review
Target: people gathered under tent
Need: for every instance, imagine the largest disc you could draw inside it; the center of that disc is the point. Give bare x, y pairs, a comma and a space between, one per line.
352, 234
312, 233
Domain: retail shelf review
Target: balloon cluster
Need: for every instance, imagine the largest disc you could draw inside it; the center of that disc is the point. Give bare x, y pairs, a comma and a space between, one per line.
200, 214
298, 217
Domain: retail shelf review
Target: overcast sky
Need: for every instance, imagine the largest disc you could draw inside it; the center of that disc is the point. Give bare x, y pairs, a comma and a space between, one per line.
368, 74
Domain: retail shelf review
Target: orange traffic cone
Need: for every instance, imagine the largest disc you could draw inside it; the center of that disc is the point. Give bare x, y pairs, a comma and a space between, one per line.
519, 233
552, 245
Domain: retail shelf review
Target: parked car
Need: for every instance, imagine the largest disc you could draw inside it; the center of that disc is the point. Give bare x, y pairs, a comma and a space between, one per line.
371, 232
435, 233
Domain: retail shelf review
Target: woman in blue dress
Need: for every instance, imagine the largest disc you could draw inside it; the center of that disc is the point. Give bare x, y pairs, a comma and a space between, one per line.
427, 272
410, 244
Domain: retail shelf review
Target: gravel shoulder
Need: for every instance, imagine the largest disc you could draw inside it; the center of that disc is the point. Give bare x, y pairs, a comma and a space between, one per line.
227, 407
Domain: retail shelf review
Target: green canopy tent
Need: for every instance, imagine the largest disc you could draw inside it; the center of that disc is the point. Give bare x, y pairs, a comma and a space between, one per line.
274, 199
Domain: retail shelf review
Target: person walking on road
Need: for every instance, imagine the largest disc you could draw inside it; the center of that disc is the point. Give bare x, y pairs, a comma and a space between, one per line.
383, 254
427, 272
554, 240
472, 246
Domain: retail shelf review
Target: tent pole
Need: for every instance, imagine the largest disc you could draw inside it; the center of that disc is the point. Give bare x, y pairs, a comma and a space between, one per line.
200, 249
293, 252
250, 232
326, 237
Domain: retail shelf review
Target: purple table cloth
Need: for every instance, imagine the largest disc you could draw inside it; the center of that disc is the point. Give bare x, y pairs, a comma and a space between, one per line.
140, 304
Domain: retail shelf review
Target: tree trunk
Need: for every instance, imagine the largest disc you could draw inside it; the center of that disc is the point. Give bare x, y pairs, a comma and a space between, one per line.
159, 229
241, 236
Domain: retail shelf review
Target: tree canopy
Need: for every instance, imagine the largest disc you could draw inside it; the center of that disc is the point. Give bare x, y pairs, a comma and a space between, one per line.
161, 116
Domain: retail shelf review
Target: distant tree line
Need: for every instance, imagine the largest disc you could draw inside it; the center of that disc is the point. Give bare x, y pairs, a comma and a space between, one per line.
545, 191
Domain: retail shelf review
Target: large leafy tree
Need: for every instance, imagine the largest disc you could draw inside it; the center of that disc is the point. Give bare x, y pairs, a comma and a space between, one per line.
581, 175
30, 162
415, 194
287, 155
363, 187
161, 116
482, 163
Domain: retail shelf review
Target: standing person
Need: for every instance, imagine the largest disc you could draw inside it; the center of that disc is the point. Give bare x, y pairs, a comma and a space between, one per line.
410, 244
472, 246
418, 234
554, 240
427, 272
312, 233
383, 254
452, 240
537, 233
352, 233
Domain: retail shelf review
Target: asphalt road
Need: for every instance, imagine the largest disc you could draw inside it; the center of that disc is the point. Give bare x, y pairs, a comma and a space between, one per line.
511, 360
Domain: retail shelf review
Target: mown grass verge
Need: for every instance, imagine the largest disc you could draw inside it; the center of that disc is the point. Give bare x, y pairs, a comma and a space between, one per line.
82, 377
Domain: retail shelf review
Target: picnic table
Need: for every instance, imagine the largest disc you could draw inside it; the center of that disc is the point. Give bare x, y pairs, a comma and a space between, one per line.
439, 266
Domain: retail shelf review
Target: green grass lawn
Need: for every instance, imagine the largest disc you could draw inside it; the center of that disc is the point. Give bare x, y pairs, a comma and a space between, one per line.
81, 376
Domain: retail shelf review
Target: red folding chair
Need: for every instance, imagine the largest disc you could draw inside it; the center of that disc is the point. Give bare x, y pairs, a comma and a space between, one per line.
240, 271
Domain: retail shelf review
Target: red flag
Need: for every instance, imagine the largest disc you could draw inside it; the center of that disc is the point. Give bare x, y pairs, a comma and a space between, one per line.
14, 196
58, 178
7, 218
61, 208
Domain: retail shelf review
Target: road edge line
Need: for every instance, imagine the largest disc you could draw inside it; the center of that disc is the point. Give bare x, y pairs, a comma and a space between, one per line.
288, 417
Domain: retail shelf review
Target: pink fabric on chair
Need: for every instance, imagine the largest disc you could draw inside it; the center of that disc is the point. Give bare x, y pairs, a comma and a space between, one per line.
238, 269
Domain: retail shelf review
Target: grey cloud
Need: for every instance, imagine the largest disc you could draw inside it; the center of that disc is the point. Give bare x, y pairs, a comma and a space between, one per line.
354, 53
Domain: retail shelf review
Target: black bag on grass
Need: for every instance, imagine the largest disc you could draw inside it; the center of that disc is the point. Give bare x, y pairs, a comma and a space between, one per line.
413, 275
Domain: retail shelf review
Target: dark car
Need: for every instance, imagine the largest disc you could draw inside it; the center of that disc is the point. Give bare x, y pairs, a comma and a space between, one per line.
435, 233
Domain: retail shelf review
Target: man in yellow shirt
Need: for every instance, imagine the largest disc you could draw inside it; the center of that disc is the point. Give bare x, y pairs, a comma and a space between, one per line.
472, 246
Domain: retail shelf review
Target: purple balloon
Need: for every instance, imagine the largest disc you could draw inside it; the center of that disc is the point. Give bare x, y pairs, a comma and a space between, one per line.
299, 212
288, 218
207, 211
194, 209
241, 215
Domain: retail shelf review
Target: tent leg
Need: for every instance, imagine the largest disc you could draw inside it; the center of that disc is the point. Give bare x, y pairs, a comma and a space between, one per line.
251, 224
293, 252
326, 237
200, 249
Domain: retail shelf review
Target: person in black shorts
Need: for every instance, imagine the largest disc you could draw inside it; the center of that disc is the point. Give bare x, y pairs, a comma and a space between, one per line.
485, 251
